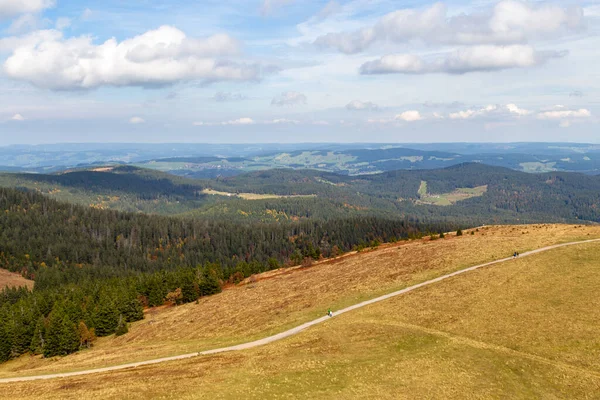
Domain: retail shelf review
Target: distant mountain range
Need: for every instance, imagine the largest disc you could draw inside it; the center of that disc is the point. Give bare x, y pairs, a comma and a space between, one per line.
210, 160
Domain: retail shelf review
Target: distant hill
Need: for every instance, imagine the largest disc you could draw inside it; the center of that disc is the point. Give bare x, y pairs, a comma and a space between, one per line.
467, 192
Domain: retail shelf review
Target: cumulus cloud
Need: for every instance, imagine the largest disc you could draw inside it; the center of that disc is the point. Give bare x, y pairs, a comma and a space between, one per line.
223, 97
158, 57
289, 99
461, 61
17, 117
514, 109
562, 114
10, 43
357, 105
10, 8
509, 22
409, 116
471, 113
136, 120
270, 6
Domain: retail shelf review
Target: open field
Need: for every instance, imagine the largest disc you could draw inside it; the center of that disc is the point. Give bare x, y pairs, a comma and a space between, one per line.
10, 279
251, 196
447, 199
522, 329
288, 298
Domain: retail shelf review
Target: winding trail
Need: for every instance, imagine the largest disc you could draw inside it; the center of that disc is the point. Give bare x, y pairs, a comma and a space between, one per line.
290, 332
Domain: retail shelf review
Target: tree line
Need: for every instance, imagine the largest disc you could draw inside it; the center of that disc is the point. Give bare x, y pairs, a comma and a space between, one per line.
96, 270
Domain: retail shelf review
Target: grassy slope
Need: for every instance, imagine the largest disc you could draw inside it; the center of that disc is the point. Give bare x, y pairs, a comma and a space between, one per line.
10, 279
520, 330
272, 305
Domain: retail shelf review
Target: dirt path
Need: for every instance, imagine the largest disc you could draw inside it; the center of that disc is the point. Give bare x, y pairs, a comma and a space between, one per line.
289, 332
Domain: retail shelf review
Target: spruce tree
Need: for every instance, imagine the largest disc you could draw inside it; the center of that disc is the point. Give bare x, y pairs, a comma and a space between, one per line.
38, 339
121, 327
106, 318
5, 338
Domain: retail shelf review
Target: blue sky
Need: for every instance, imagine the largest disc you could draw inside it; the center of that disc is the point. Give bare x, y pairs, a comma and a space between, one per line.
299, 71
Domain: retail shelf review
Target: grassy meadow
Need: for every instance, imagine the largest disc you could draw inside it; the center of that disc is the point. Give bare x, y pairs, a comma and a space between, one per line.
522, 329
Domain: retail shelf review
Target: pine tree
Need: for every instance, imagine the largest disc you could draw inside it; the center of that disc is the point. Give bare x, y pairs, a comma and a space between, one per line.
121, 327
38, 341
5, 338
106, 318
62, 337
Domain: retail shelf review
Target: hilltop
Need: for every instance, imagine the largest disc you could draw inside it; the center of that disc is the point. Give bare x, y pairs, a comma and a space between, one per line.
443, 334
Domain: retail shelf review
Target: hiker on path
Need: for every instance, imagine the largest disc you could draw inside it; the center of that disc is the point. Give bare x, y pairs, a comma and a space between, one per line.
329, 312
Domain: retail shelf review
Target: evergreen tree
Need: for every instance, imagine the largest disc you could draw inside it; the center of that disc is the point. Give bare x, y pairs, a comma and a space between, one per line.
106, 318
121, 327
38, 341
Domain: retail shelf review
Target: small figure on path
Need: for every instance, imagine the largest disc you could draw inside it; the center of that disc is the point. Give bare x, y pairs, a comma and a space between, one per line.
329, 312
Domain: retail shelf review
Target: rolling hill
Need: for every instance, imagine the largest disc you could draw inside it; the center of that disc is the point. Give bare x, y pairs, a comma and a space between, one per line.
469, 193
522, 329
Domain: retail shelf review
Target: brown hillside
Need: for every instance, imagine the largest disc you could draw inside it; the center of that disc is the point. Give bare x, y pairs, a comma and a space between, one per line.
10, 279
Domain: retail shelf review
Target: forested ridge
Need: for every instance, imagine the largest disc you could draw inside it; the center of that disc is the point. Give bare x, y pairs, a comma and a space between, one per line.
95, 270
511, 196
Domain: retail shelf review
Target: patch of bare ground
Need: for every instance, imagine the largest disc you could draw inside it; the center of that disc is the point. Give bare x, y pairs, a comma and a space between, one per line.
11, 279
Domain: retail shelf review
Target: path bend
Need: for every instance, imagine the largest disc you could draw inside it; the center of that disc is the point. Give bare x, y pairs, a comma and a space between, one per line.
290, 332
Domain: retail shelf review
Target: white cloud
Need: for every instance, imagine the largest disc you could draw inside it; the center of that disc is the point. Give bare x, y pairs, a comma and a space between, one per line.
282, 121
25, 23
509, 22
461, 61
562, 114
62, 23
17, 117
11, 43
10, 8
470, 113
136, 120
289, 99
565, 124
514, 109
239, 121
158, 57
357, 105
268, 7
409, 116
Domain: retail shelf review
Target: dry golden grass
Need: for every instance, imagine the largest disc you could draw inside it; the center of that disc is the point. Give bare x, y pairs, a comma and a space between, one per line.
10, 279
292, 297
524, 329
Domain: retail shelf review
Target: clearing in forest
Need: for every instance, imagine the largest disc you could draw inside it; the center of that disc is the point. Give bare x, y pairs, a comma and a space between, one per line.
11, 279
252, 196
447, 199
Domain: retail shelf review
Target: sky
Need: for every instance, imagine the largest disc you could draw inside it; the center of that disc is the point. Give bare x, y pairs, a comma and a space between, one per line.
291, 71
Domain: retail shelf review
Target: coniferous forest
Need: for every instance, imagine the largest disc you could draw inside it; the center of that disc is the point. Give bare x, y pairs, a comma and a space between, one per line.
95, 270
